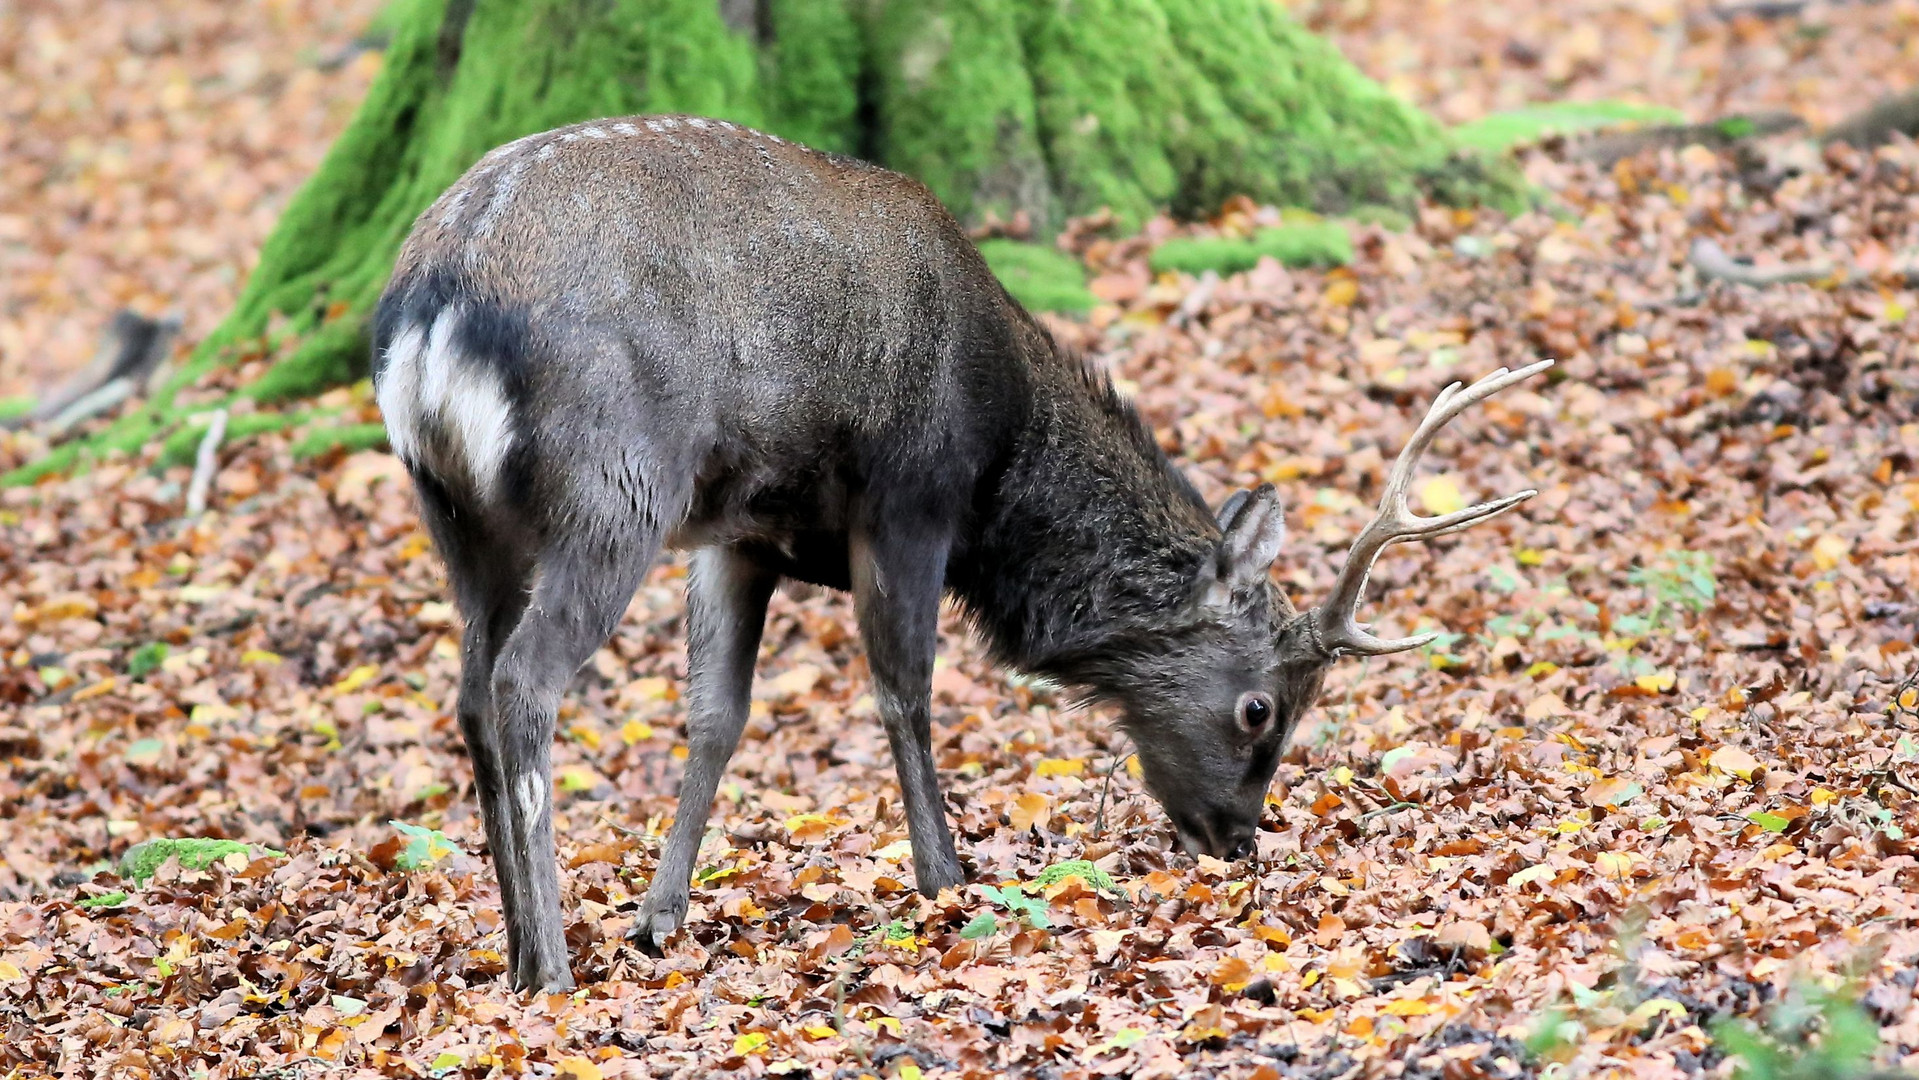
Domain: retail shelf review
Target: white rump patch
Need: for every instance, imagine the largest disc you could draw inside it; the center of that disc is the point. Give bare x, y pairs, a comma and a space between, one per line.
426, 379
398, 392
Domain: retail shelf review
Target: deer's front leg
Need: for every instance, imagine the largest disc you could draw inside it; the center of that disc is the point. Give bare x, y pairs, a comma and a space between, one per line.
898, 575
726, 609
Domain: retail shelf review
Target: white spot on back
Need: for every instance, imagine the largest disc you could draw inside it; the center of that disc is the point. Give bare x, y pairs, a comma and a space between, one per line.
455, 200
668, 123
547, 152
593, 132
571, 136
503, 190
698, 123
624, 128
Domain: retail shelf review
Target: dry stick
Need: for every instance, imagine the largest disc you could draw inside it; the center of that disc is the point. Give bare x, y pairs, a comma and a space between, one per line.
90, 404
1712, 262
204, 464
1099, 819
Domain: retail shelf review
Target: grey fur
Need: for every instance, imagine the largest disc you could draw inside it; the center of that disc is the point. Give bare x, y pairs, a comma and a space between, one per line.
796, 364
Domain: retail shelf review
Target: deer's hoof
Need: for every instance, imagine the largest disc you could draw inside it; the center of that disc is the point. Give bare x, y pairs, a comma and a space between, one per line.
550, 982
658, 920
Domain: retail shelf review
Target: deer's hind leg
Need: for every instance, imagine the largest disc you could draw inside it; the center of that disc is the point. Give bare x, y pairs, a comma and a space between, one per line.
490, 584
581, 584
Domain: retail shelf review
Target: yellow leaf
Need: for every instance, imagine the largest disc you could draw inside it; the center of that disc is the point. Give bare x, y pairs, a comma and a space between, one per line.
636, 731
674, 980
1658, 682
587, 734
104, 686
895, 851
1731, 759
1536, 872
356, 678
1895, 311
577, 778
8, 972
1828, 550
1530, 557
1409, 1007
1656, 1007
260, 656
1823, 797
1342, 293
819, 1031
887, 1023
1132, 767
1029, 810
1059, 767
1440, 495
577, 1067
749, 1042
1616, 864
651, 688
810, 826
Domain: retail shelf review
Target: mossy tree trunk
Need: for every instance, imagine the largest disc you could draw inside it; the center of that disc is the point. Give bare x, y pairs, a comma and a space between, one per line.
1043, 107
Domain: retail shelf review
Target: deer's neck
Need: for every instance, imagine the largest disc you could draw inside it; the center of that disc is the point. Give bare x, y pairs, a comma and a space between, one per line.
1092, 539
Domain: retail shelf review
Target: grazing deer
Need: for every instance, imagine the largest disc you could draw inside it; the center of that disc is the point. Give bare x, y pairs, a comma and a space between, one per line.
675, 331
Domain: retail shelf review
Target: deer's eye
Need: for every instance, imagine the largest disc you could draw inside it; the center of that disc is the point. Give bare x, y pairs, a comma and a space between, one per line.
1255, 711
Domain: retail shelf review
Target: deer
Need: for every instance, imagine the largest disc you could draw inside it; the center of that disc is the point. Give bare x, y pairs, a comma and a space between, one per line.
658, 332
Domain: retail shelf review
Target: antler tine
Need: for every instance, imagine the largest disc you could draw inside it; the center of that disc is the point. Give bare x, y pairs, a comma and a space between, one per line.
1337, 620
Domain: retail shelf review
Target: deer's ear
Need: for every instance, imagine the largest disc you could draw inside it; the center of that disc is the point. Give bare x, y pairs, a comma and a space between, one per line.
1254, 528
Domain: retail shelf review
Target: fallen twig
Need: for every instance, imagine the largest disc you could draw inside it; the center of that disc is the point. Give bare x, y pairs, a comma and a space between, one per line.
131, 349
204, 464
1712, 262
92, 403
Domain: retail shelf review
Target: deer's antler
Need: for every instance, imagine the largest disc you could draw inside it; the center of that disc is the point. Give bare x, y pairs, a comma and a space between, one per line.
1336, 621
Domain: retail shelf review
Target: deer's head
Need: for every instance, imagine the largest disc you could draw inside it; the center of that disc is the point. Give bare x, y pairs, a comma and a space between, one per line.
1211, 699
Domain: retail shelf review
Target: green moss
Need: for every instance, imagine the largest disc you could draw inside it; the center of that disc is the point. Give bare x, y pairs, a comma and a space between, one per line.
1041, 278
181, 447
1309, 244
15, 407
195, 853
810, 69
1386, 217
105, 900
1002, 107
955, 105
1502, 131
349, 437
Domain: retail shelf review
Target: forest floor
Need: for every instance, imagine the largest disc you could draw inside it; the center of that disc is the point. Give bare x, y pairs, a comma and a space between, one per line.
1661, 774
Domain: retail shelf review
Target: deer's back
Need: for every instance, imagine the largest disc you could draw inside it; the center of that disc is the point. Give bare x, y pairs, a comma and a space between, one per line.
688, 297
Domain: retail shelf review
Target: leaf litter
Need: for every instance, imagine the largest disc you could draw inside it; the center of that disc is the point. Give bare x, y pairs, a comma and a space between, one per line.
1658, 773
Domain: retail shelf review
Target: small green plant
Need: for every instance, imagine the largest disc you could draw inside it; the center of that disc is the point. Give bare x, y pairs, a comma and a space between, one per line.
1013, 898
146, 659
1680, 581
1812, 1034
1099, 880
424, 847
105, 900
